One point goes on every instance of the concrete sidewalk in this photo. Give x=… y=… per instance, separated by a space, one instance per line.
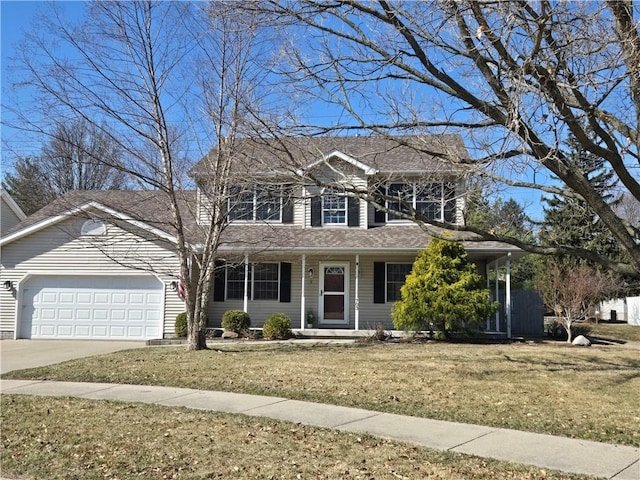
x=577 y=456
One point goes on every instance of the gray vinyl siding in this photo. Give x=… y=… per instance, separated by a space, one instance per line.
x=260 y=310
x=58 y=250
x=8 y=218
x=204 y=208
x=370 y=313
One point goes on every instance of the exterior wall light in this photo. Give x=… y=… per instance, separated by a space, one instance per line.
x=173 y=286
x=8 y=285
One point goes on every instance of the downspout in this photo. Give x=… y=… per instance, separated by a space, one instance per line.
x=497 y=266
x=488 y=271
x=246 y=284
x=302 y=294
x=508 y=295
x=357 y=294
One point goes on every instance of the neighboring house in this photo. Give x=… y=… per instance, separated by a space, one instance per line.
x=620 y=310
x=315 y=251
x=10 y=213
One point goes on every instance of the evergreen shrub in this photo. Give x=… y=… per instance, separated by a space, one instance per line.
x=181 y=325
x=236 y=321
x=277 y=327
x=444 y=291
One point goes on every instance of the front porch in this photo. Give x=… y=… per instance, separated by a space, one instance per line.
x=340 y=295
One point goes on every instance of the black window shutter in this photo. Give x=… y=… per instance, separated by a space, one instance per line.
x=378 y=282
x=287 y=209
x=379 y=215
x=285 y=282
x=218 y=282
x=316 y=212
x=354 y=211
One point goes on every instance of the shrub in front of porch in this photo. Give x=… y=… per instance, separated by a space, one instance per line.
x=236 y=321
x=181 y=325
x=277 y=327
x=443 y=292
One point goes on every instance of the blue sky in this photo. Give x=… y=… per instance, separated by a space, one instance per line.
x=17 y=18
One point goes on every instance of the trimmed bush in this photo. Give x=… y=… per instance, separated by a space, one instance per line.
x=181 y=325
x=236 y=321
x=277 y=327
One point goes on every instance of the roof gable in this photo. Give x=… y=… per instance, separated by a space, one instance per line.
x=408 y=154
x=140 y=209
x=324 y=159
x=10 y=202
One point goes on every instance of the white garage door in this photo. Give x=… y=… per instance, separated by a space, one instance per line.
x=126 y=308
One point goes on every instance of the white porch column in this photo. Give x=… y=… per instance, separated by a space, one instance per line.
x=507 y=296
x=246 y=284
x=357 y=293
x=497 y=266
x=303 y=320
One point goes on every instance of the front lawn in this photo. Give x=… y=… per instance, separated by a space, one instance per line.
x=620 y=332
x=557 y=389
x=57 y=438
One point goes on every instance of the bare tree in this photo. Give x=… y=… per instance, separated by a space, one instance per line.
x=518 y=80
x=76 y=156
x=170 y=80
x=573 y=292
x=628 y=209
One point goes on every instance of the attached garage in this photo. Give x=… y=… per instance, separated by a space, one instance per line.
x=92 y=307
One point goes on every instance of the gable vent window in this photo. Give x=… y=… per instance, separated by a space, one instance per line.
x=93 y=227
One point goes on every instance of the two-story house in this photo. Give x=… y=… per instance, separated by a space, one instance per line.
x=302 y=238
x=312 y=246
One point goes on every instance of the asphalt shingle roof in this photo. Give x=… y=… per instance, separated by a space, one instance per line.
x=152 y=208
x=392 y=154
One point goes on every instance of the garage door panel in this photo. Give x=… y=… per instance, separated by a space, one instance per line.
x=48 y=298
x=101 y=298
x=99 y=331
x=92 y=307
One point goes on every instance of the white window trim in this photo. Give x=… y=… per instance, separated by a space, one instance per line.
x=414 y=201
x=254 y=209
x=251 y=282
x=326 y=194
x=386 y=278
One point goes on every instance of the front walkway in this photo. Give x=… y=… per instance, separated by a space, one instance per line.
x=569 y=455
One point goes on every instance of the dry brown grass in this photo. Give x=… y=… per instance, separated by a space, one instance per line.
x=49 y=438
x=615 y=331
x=557 y=389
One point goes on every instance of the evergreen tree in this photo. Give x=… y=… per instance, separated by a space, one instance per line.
x=28 y=186
x=444 y=291
x=508 y=218
x=570 y=221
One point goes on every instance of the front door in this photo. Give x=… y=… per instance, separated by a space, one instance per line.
x=334 y=294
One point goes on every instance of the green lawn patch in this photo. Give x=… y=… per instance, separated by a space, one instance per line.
x=557 y=389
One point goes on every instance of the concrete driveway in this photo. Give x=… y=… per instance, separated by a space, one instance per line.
x=21 y=354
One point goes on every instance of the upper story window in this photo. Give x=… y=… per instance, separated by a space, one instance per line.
x=255 y=203
x=435 y=200
x=334 y=209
